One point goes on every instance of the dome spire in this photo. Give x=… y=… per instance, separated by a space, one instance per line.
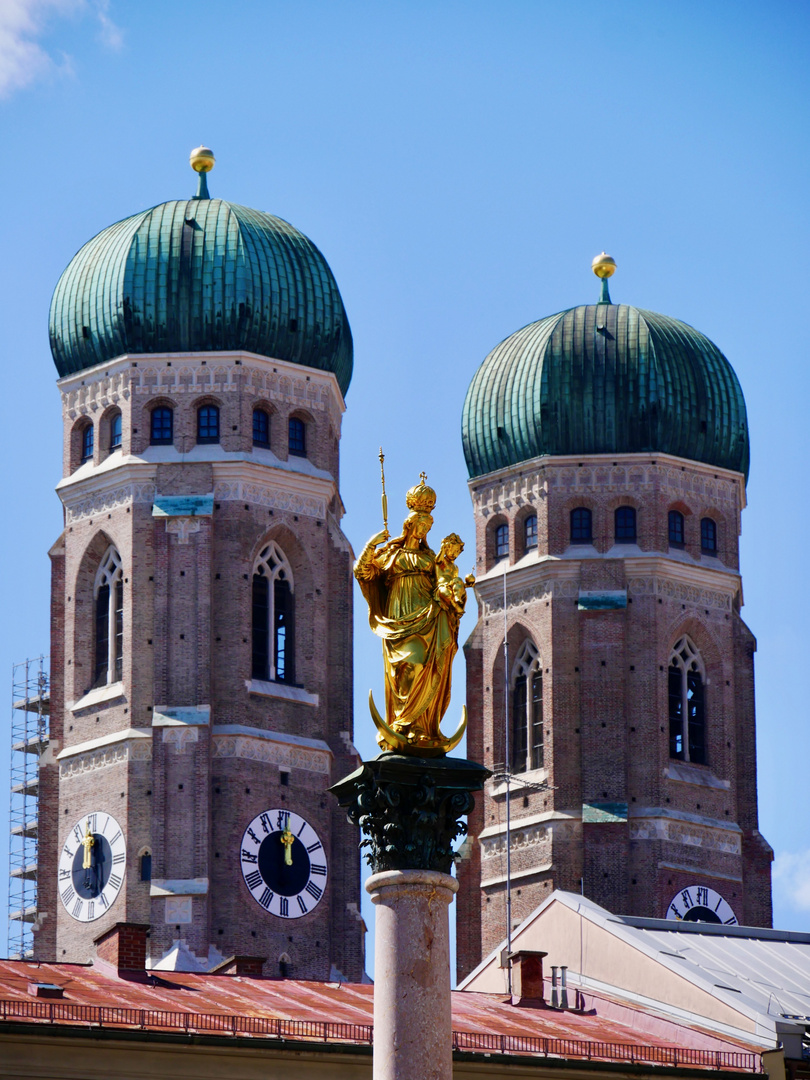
x=604 y=266
x=202 y=161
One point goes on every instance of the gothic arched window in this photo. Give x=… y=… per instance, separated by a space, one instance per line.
x=208 y=424
x=687 y=703
x=530 y=532
x=297 y=437
x=273 y=623
x=115 y=431
x=109 y=607
x=526 y=750
x=625 y=525
x=676 y=530
x=501 y=541
x=161 y=430
x=87 y=443
x=261 y=427
x=581 y=526
x=708 y=536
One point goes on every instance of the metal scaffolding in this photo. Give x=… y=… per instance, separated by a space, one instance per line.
x=29 y=737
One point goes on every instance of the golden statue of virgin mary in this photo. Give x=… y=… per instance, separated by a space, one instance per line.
x=415 y=600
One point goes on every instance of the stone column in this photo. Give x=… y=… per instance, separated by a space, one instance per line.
x=410 y=810
x=412 y=1015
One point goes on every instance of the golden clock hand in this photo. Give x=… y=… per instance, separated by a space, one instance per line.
x=87 y=843
x=287 y=840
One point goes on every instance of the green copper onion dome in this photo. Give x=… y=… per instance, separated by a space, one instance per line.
x=605 y=379
x=198 y=275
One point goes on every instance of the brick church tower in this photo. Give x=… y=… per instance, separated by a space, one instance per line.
x=201 y=599
x=607 y=449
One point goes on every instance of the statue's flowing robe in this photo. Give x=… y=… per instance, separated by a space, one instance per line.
x=419 y=635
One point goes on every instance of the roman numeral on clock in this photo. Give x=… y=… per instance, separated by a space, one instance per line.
x=283 y=906
x=265 y=899
x=314 y=890
x=318 y=868
x=115 y=881
x=302 y=905
x=248 y=856
x=77 y=908
x=68 y=895
x=253 y=880
x=314 y=847
x=119 y=859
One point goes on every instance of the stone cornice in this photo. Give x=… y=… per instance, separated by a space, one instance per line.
x=199 y=373
x=533 y=479
x=646 y=574
x=236 y=477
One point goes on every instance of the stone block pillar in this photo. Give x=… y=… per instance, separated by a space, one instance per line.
x=412 y=1016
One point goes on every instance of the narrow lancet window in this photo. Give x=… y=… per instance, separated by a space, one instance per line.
x=526 y=751
x=687 y=704
x=109 y=620
x=273 y=651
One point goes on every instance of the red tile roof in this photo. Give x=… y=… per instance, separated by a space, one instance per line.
x=234 y=1005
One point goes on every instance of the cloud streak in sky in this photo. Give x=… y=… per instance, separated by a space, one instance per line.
x=23 y=60
x=791 y=876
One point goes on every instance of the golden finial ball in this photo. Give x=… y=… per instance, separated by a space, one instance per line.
x=202 y=159
x=604 y=265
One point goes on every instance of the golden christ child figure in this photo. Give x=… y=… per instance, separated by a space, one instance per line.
x=415 y=600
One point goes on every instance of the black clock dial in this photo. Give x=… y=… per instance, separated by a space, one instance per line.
x=283 y=878
x=89 y=882
x=88 y=891
x=283 y=863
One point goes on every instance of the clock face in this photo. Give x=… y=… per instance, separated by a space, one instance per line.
x=283 y=863
x=92 y=866
x=698 y=903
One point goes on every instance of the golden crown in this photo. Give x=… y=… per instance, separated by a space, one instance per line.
x=421 y=498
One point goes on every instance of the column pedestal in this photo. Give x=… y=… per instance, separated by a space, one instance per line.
x=412 y=1015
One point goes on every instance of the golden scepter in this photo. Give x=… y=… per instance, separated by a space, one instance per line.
x=384 y=496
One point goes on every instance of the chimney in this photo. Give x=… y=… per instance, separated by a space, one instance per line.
x=240 y=965
x=123 y=946
x=527 y=977
x=563 y=987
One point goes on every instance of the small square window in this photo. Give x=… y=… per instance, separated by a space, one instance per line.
x=676 y=528
x=581 y=526
x=502 y=542
x=261 y=428
x=530 y=532
x=162 y=427
x=115 y=432
x=708 y=536
x=297 y=444
x=87 y=443
x=625 y=525
x=208 y=424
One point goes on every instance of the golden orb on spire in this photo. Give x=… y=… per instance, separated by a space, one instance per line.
x=202 y=159
x=604 y=265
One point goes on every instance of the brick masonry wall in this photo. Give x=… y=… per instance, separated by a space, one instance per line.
x=605 y=697
x=187 y=642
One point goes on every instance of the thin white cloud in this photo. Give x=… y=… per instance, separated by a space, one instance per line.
x=111 y=35
x=791 y=876
x=23 y=60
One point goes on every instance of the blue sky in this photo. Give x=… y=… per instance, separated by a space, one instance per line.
x=459 y=164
